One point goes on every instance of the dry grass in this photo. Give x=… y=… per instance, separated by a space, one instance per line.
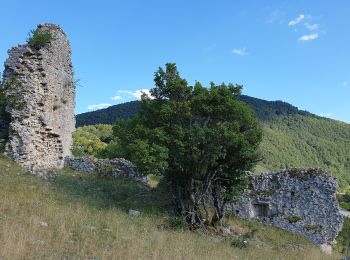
x=87 y=219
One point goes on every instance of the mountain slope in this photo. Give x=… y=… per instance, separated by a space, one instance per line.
x=292 y=138
x=265 y=110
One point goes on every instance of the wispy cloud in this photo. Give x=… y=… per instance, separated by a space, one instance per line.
x=116 y=98
x=137 y=93
x=345 y=83
x=309 y=37
x=312 y=27
x=240 y=52
x=297 y=20
x=98 y=106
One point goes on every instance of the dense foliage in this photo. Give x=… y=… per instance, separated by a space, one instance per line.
x=39 y=38
x=92 y=140
x=307 y=141
x=202 y=139
x=8 y=100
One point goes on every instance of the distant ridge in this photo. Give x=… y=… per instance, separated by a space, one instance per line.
x=264 y=110
x=292 y=137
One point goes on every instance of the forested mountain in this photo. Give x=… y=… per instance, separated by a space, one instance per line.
x=292 y=138
x=265 y=110
x=108 y=115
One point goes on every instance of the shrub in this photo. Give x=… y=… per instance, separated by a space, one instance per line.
x=39 y=38
x=239 y=243
x=177 y=223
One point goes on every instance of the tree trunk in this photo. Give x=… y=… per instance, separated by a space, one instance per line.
x=219 y=205
x=179 y=206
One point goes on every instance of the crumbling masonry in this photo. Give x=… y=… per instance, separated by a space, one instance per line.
x=40 y=134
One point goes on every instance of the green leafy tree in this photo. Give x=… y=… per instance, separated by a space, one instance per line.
x=201 y=139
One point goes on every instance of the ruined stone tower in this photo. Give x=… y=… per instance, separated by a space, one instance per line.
x=40 y=133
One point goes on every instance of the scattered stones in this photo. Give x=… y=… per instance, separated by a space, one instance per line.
x=301 y=201
x=40 y=134
x=104 y=167
x=47 y=176
x=134 y=213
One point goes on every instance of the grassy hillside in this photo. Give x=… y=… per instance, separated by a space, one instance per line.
x=292 y=138
x=79 y=216
x=307 y=141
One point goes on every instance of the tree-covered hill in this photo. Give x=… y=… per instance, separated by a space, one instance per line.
x=265 y=110
x=292 y=138
x=108 y=115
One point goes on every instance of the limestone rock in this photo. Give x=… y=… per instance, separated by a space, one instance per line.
x=301 y=201
x=40 y=134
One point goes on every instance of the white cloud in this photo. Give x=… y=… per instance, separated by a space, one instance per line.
x=312 y=27
x=116 y=97
x=98 y=106
x=241 y=52
x=297 y=20
x=309 y=37
x=329 y=115
x=137 y=93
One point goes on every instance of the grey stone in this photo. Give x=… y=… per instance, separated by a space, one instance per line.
x=134 y=213
x=44 y=224
x=40 y=135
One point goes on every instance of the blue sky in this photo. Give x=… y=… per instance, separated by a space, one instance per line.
x=295 y=51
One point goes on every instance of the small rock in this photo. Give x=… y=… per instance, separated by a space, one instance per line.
x=38 y=242
x=226 y=230
x=38 y=203
x=327 y=249
x=134 y=213
x=44 y=224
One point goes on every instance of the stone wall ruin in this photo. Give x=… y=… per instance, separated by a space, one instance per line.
x=40 y=134
x=301 y=201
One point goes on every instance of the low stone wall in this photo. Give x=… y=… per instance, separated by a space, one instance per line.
x=301 y=201
x=105 y=167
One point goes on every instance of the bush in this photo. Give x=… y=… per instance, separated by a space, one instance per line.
x=177 y=223
x=39 y=38
x=239 y=243
x=343 y=239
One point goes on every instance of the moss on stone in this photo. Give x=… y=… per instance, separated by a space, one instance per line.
x=313 y=228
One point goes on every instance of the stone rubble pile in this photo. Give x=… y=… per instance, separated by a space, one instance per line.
x=105 y=167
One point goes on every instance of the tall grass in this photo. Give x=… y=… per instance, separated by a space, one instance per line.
x=87 y=219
